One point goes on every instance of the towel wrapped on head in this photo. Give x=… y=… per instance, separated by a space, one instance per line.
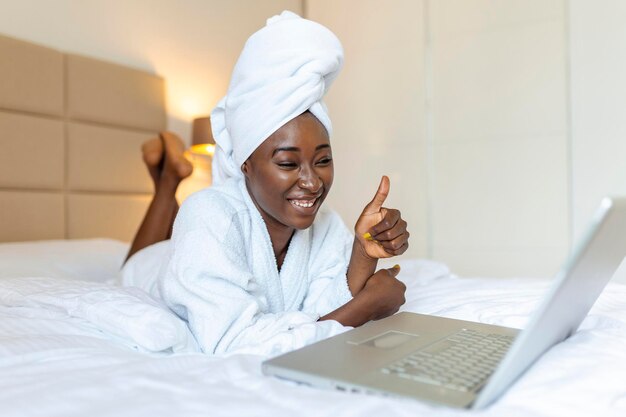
x=284 y=70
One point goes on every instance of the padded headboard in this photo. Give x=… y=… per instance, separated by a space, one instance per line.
x=71 y=130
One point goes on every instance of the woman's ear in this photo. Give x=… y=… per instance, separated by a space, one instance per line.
x=244 y=168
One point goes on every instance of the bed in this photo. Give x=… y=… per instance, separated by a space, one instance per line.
x=73 y=342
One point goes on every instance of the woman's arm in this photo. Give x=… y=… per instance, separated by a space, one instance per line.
x=381 y=296
x=360 y=268
x=379 y=233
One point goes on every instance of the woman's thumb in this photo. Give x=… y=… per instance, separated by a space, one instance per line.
x=395 y=270
x=377 y=202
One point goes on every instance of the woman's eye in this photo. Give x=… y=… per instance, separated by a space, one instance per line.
x=324 y=161
x=286 y=164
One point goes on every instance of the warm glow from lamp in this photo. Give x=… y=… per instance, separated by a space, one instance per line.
x=206 y=149
x=200 y=155
x=188 y=106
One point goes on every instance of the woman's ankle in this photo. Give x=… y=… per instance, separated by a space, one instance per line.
x=166 y=188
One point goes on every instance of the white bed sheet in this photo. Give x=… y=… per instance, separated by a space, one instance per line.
x=57 y=363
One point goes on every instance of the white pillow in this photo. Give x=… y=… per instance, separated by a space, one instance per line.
x=96 y=260
x=124 y=313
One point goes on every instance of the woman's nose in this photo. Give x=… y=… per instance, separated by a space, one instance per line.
x=309 y=180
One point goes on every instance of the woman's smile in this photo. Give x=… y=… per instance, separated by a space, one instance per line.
x=307 y=206
x=303 y=203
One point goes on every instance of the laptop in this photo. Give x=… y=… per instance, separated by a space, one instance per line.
x=460 y=363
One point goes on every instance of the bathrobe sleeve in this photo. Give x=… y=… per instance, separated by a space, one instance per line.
x=209 y=283
x=330 y=255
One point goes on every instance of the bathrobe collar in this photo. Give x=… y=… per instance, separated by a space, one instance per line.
x=292 y=281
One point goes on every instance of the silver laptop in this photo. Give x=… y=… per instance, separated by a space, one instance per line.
x=460 y=363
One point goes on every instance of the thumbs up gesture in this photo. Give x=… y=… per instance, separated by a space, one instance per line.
x=381 y=231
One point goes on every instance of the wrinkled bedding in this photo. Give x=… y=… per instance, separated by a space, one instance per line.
x=76 y=348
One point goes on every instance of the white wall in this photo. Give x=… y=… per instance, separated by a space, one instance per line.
x=500 y=152
x=463 y=103
x=502 y=124
x=377 y=104
x=193 y=44
x=598 y=104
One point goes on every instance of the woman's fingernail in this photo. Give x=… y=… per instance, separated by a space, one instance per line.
x=396 y=266
x=367 y=236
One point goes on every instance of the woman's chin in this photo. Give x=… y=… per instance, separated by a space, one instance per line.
x=302 y=224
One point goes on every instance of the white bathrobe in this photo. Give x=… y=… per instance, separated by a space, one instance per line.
x=222 y=276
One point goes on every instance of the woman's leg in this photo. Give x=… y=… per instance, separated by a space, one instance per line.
x=168 y=167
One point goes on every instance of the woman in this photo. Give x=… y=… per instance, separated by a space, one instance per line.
x=255 y=264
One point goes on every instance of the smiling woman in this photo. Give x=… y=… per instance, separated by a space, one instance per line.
x=255 y=263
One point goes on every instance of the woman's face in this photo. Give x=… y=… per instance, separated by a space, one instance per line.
x=289 y=175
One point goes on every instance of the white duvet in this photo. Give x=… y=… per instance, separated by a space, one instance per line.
x=73 y=348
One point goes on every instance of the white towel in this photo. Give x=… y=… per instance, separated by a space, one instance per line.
x=284 y=69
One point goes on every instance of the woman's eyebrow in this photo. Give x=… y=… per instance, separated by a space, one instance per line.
x=287 y=149
x=296 y=149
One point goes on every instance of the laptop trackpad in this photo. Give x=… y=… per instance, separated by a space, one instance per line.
x=388 y=340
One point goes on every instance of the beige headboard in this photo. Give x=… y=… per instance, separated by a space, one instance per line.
x=71 y=128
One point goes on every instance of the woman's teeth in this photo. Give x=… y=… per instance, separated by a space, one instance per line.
x=303 y=203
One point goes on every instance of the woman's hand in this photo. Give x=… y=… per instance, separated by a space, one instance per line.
x=381 y=297
x=381 y=231
x=383 y=293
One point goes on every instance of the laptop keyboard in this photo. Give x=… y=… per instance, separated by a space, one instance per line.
x=462 y=361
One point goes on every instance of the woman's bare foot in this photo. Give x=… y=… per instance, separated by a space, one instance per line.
x=176 y=167
x=164 y=157
x=152 y=152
